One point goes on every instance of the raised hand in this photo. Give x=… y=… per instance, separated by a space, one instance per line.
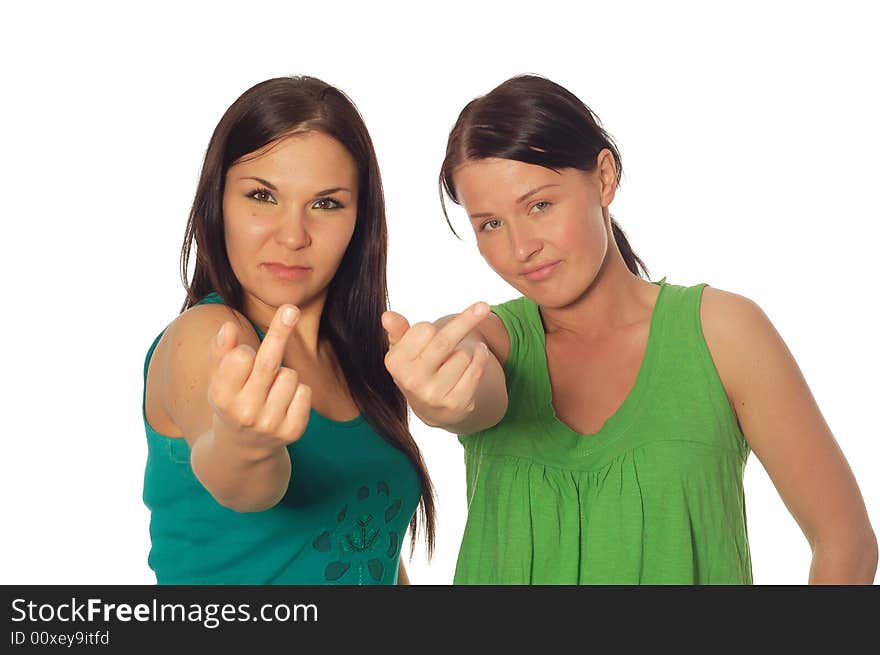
x=259 y=405
x=436 y=372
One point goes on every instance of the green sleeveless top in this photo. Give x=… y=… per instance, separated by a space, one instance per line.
x=342 y=521
x=655 y=497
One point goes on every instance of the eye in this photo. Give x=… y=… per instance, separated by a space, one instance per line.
x=540 y=206
x=262 y=195
x=490 y=225
x=327 y=203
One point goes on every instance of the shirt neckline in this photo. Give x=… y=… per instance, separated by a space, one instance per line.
x=621 y=418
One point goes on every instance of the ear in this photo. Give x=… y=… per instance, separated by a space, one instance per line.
x=606 y=170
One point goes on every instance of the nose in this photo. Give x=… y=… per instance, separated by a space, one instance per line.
x=292 y=232
x=524 y=243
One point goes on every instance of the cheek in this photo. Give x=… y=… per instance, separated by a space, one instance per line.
x=332 y=237
x=496 y=251
x=240 y=236
x=587 y=237
x=244 y=232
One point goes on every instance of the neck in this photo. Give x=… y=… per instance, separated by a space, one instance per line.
x=616 y=298
x=305 y=338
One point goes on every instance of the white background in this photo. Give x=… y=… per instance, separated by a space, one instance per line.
x=749 y=138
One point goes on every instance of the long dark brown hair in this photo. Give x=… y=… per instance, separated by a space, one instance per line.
x=358 y=294
x=533 y=120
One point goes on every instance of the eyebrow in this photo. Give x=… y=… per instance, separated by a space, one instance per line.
x=329 y=192
x=523 y=197
x=272 y=187
x=533 y=192
x=266 y=183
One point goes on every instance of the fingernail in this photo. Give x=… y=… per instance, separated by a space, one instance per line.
x=481 y=309
x=220 y=333
x=288 y=316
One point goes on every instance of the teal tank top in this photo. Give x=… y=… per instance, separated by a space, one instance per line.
x=342 y=521
x=655 y=497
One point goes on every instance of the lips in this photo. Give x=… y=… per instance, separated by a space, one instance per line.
x=541 y=272
x=285 y=272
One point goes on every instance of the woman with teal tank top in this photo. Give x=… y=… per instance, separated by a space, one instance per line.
x=279 y=450
x=606 y=420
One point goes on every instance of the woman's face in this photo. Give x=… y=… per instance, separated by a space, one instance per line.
x=544 y=232
x=289 y=211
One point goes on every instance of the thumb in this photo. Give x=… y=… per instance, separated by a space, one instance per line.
x=395 y=325
x=224 y=341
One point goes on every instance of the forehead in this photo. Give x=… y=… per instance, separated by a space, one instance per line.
x=494 y=181
x=304 y=157
x=493 y=170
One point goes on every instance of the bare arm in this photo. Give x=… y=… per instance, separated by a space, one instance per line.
x=401 y=574
x=236 y=453
x=785 y=429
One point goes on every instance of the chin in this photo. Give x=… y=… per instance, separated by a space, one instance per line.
x=552 y=300
x=557 y=297
x=277 y=295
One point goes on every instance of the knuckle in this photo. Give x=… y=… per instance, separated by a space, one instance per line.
x=301 y=402
x=266 y=425
x=411 y=382
x=441 y=343
x=286 y=377
x=246 y=416
x=424 y=330
x=266 y=366
x=219 y=401
x=296 y=423
x=242 y=355
x=218 y=396
x=432 y=398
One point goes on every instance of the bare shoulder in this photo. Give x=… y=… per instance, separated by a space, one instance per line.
x=731 y=320
x=742 y=341
x=200 y=323
x=188 y=339
x=491 y=331
x=180 y=365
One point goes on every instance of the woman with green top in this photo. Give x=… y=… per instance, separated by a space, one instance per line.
x=606 y=420
x=278 y=446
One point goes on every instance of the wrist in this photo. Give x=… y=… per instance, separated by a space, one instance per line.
x=237 y=446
